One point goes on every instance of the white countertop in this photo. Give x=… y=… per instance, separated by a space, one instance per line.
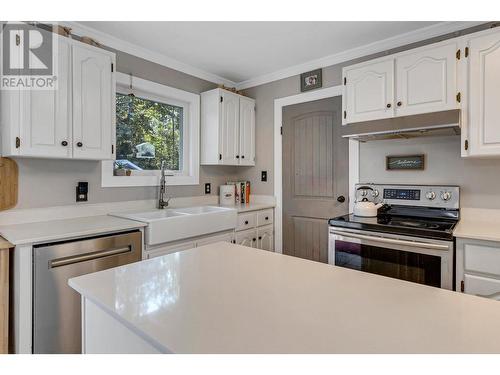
x=251 y=206
x=45 y=231
x=478 y=223
x=225 y=298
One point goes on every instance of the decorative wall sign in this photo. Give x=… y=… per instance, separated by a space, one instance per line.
x=311 y=80
x=405 y=162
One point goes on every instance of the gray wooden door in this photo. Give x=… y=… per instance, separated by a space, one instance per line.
x=315 y=176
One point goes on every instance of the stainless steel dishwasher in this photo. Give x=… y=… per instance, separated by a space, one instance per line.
x=56 y=307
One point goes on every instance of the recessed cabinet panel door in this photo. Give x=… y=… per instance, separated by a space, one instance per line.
x=247 y=238
x=45 y=116
x=92 y=103
x=484 y=95
x=427 y=80
x=229 y=138
x=247 y=131
x=369 y=92
x=266 y=238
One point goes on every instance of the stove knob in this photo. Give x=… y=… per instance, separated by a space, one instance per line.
x=375 y=193
x=430 y=195
x=363 y=193
x=446 y=196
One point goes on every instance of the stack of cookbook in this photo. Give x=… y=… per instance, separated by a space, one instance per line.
x=241 y=191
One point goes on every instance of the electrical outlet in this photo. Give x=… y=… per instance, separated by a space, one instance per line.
x=82 y=192
x=208 y=188
x=263 y=176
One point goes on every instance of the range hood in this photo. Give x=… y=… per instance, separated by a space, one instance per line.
x=442 y=123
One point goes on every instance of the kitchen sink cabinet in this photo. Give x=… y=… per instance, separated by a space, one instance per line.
x=75 y=120
x=256 y=229
x=227 y=128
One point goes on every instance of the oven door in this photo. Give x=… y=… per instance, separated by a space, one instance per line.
x=420 y=260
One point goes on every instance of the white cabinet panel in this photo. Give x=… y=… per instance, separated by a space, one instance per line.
x=169 y=249
x=247 y=131
x=369 y=91
x=247 y=238
x=265 y=217
x=265 y=237
x=484 y=94
x=426 y=80
x=229 y=137
x=45 y=115
x=246 y=221
x=481 y=258
x=93 y=103
x=482 y=286
x=224 y=237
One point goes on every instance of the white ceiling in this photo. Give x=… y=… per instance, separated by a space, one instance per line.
x=242 y=51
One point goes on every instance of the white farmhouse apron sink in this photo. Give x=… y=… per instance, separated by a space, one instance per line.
x=179 y=223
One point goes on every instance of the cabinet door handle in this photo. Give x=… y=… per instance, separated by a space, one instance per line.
x=399 y=104
x=79 y=144
x=254 y=239
x=64 y=143
x=267 y=217
x=389 y=105
x=246 y=222
x=243 y=156
x=260 y=238
x=237 y=156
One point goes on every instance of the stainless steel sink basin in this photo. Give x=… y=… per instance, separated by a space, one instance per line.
x=178 y=223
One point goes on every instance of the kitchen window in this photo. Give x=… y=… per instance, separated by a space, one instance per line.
x=154 y=122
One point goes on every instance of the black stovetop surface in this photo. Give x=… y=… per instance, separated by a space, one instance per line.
x=437 y=224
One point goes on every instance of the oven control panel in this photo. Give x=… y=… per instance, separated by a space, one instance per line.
x=412 y=195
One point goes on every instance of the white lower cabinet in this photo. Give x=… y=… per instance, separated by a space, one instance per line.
x=478 y=268
x=256 y=229
x=247 y=238
x=176 y=246
x=265 y=238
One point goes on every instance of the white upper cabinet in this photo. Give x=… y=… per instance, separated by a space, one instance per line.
x=80 y=111
x=44 y=127
x=247 y=131
x=368 y=91
x=426 y=80
x=481 y=133
x=93 y=103
x=227 y=128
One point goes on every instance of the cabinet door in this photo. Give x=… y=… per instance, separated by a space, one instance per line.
x=484 y=95
x=247 y=238
x=158 y=251
x=45 y=116
x=247 y=131
x=482 y=286
x=93 y=103
x=427 y=80
x=229 y=136
x=225 y=237
x=369 y=91
x=265 y=236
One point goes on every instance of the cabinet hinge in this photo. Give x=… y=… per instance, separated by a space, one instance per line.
x=112 y=149
x=345 y=81
x=220 y=156
x=281 y=130
x=466 y=145
x=466 y=54
x=18 y=40
x=221 y=99
x=345 y=114
x=458 y=54
x=112 y=67
x=459 y=97
x=462 y=286
x=18 y=142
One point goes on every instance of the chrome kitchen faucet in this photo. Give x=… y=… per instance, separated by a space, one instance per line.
x=162 y=203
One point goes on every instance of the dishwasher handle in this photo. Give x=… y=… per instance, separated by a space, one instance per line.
x=66 y=261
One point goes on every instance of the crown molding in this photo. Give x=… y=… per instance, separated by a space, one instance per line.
x=428 y=32
x=136 y=50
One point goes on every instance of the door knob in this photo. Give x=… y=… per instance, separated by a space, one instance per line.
x=341 y=199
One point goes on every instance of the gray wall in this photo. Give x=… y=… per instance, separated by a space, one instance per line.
x=46 y=182
x=478 y=179
x=265 y=95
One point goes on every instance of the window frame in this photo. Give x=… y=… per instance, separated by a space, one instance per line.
x=190 y=173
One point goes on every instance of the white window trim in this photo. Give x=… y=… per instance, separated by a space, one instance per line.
x=191 y=134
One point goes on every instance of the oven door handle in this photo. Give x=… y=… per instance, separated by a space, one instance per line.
x=393 y=241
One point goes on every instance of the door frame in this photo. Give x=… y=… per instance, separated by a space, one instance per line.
x=279 y=103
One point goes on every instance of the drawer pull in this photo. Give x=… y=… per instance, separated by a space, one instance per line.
x=260 y=237
x=267 y=217
x=246 y=222
x=254 y=239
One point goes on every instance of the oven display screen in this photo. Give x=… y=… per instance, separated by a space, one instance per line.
x=406 y=194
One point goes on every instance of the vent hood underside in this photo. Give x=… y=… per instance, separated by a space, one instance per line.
x=442 y=123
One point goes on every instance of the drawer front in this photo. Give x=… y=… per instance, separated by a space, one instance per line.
x=481 y=258
x=156 y=251
x=482 y=286
x=246 y=221
x=265 y=217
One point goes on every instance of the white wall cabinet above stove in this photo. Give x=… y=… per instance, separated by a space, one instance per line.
x=418 y=81
x=77 y=120
x=227 y=128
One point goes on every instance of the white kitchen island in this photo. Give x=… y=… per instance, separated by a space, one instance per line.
x=225 y=298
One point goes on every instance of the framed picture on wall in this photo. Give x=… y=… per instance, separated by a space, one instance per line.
x=311 y=80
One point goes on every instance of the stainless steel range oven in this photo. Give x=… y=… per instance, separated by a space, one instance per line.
x=411 y=240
